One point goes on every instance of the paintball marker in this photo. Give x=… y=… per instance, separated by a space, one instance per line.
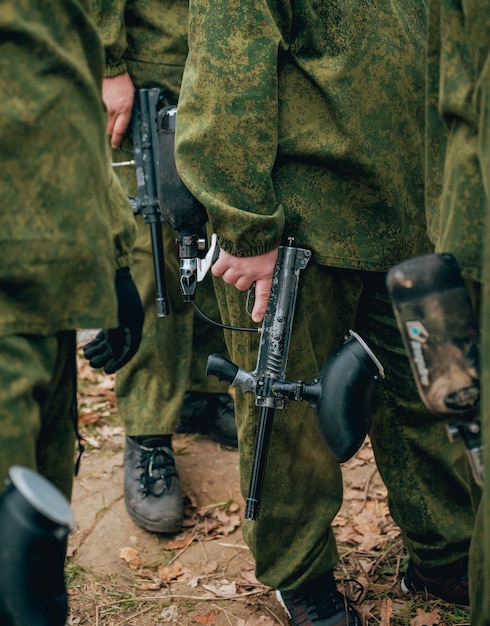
x=35 y=521
x=146 y=203
x=440 y=333
x=340 y=395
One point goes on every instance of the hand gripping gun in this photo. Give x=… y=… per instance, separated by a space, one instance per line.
x=440 y=333
x=340 y=395
x=146 y=203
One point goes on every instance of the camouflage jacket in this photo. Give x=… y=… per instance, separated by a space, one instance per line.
x=147 y=38
x=305 y=119
x=455 y=194
x=56 y=194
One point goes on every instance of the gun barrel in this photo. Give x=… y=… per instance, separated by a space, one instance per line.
x=264 y=432
x=145 y=141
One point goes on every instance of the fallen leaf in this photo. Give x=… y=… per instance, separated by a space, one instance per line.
x=131 y=556
x=172 y=572
x=426 y=619
x=206 y=619
x=224 y=589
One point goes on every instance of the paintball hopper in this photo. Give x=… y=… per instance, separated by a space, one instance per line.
x=35 y=521
x=439 y=330
x=342 y=396
x=178 y=206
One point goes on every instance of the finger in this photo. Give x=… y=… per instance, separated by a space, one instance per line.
x=119 y=129
x=262 y=294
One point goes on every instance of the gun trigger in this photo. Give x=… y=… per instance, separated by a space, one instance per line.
x=203 y=265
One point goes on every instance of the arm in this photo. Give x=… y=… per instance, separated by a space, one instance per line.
x=227 y=130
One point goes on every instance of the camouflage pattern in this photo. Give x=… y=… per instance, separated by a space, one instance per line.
x=457 y=177
x=455 y=197
x=55 y=238
x=57 y=203
x=38 y=407
x=149 y=40
x=313 y=83
x=306 y=119
x=477 y=18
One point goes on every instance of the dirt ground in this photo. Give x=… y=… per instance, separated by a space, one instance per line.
x=119 y=574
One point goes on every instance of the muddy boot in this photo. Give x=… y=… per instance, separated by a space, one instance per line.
x=152 y=492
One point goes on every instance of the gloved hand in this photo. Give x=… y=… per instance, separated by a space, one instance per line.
x=113 y=348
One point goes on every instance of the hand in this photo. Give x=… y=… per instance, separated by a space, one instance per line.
x=244 y=272
x=118 y=97
x=113 y=348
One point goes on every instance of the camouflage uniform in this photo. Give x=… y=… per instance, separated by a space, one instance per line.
x=57 y=270
x=458 y=114
x=148 y=39
x=305 y=119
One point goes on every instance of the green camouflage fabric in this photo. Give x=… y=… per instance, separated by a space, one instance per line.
x=457 y=176
x=149 y=40
x=57 y=268
x=455 y=197
x=477 y=19
x=305 y=119
x=58 y=203
x=311 y=83
x=38 y=405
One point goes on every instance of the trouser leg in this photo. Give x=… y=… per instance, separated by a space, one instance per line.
x=38 y=406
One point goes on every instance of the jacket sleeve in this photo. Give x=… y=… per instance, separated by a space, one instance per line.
x=109 y=17
x=227 y=122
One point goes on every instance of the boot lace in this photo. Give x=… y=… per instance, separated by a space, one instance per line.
x=159 y=470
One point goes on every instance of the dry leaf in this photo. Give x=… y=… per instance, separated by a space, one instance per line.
x=172 y=572
x=386 y=611
x=426 y=619
x=178 y=544
x=131 y=556
x=224 y=589
x=209 y=618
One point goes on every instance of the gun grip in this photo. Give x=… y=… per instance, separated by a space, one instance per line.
x=221 y=367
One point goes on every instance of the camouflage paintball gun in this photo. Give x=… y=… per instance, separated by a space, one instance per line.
x=440 y=333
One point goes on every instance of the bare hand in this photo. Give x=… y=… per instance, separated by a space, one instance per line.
x=244 y=272
x=118 y=96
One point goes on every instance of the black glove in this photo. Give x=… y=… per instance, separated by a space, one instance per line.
x=113 y=348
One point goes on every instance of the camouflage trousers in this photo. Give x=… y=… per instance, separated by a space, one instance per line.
x=38 y=405
x=429 y=484
x=174 y=349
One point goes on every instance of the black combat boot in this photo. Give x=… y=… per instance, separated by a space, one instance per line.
x=209 y=414
x=152 y=492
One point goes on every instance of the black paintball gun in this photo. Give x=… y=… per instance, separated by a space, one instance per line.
x=340 y=395
x=146 y=162
x=35 y=521
x=440 y=333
